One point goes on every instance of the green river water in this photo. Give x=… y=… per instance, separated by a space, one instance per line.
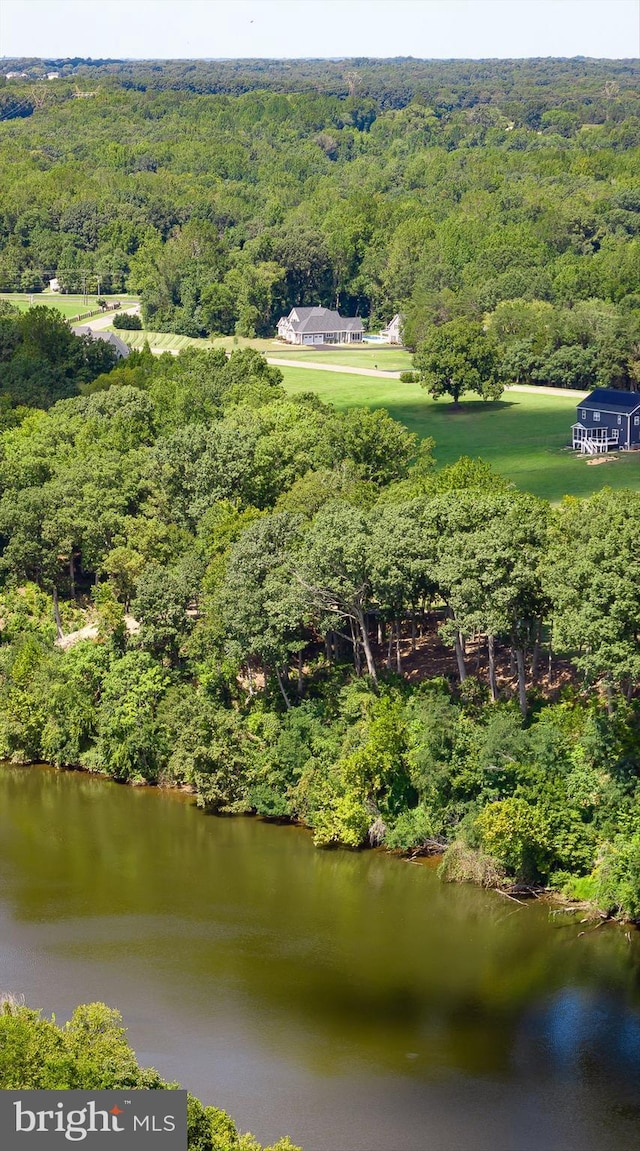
x=350 y=1000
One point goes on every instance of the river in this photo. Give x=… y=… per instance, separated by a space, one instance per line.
x=350 y=1000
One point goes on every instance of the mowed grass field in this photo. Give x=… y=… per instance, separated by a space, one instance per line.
x=168 y=342
x=384 y=358
x=70 y=306
x=523 y=435
x=160 y=341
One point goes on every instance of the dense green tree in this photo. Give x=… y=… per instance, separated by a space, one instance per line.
x=262 y=604
x=160 y=605
x=517 y=834
x=403 y=563
x=617 y=876
x=43 y=360
x=489 y=572
x=380 y=446
x=130 y=743
x=209 y=750
x=130 y=323
x=458 y=357
x=91 y=1053
x=333 y=570
x=593 y=579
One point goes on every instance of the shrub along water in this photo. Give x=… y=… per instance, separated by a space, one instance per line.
x=91 y=1053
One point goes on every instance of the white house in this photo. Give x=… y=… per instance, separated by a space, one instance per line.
x=393 y=331
x=54 y=284
x=319 y=326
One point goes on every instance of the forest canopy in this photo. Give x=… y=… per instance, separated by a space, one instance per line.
x=288 y=609
x=207 y=582
x=227 y=192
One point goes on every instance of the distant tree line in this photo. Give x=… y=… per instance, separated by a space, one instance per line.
x=225 y=193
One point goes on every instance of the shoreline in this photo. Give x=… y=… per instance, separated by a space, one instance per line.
x=519 y=893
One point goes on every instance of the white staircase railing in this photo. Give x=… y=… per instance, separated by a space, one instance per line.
x=593 y=441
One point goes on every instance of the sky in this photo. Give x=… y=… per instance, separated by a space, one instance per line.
x=319 y=28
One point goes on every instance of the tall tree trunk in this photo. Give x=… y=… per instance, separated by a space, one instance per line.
x=424 y=619
x=72 y=575
x=535 y=658
x=491 y=648
x=371 y=667
x=398 y=651
x=462 y=671
x=300 y=688
x=356 y=648
x=390 y=647
x=413 y=630
x=282 y=689
x=56 y=614
x=522 y=682
x=609 y=695
x=380 y=633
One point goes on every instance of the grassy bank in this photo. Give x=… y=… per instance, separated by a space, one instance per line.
x=523 y=435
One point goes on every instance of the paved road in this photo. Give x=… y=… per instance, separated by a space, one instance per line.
x=98 y=323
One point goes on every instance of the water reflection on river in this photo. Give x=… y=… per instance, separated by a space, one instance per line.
x=350 y=1000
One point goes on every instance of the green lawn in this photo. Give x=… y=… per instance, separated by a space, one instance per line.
x=166 y=341
x=70 y=306
x=169 y=342
x=523 y=435
x=384 y=358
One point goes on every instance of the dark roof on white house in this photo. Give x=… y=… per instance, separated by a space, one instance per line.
x=612 y=398
x=317 y=320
